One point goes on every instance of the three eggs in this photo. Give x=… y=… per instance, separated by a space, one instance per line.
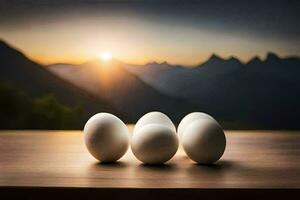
x=155 y=139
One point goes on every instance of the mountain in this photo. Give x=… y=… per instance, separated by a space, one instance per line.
x=261 y=94
x=34 y=79
x=124 y=90
x=178 y=80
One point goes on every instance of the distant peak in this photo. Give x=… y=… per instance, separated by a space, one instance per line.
x=152 y=63
x=4 y=44
x=255 y=59
x=272 y=56
x=234 y=59
x=9 y=49
x=215 y=57
x=157 y=63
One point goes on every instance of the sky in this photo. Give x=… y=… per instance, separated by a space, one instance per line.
x=139 y=31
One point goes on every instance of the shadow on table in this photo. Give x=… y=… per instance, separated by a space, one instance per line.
x=164 y=165
x=220 y=165
x=158 y=167
x=217 y=167
x=110 y=165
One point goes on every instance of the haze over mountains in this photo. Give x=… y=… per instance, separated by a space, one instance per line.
x=123 y=89
x=94 y=88
x=33 y=79
x=261 y=94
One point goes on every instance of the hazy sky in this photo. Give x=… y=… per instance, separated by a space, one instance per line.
x=140 y=31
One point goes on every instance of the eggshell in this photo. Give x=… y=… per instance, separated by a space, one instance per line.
x=189 y=119
x=154 y=144
x=204 y=141
x=106 y=137
x=155 y=118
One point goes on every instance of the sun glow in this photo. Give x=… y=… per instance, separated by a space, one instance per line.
x=105 y=56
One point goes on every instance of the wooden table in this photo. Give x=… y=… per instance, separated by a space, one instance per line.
x=45 y=163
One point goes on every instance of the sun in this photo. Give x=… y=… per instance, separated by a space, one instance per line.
x=105 y=56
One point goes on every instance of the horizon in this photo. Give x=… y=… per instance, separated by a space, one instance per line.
x=238 y=61
x=97 y=59
x=140 y=32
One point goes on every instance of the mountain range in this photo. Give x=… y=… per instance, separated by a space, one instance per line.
x=96 y=88
x=28 y=76
x=263 y=94
x=123 y=89
x=260 y=94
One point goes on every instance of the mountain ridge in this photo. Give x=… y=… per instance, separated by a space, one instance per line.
x=214 y=57
x=260 y=94
x=112 y=81
x=17 y=69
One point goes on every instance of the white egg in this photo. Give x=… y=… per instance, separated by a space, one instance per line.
x=189 y=119
x=155 y=118
x=204 y=141
x=106 y=137
x=154 y=144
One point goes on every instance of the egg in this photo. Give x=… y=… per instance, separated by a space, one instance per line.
x=106 y=137
x=204 y=141
x=190 y=118
x=154 y=143
x=155 y=118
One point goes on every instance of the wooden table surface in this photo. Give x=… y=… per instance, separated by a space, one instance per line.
x=253 y=159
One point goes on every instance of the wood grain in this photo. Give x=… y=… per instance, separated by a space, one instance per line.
x=253 y=159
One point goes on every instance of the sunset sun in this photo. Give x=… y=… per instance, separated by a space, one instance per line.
x=105 y=56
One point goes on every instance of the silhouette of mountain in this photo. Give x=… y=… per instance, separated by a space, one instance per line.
x=124 y=90
x=177 y=80
x=272 y=57
x=256 y=59
x=34 y=79
x=259 y=94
